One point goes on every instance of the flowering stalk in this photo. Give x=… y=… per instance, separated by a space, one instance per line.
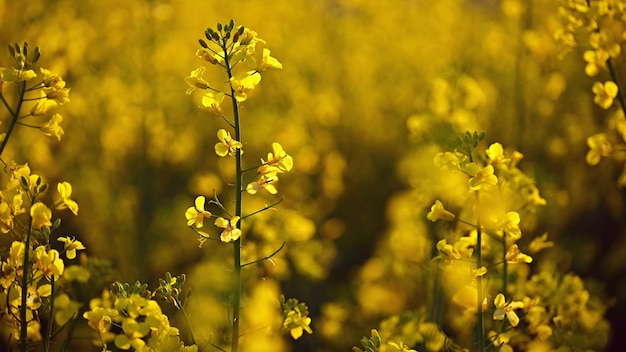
x=235 y=51
x=25 y=282
x=31 y=267
x=620 y=96
x=238 y=196
x=14 y=114
x=479 y=289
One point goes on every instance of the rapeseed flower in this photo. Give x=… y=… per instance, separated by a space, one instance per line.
x=231 y=232
x=605 y=93
x=504 y=309
x=196 y=215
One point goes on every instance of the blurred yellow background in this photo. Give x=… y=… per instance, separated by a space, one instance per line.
x=369 y=92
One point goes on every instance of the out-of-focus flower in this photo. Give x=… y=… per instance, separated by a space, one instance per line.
x=515 y=256
x=52 y=127
x=481 y=177
x=596 y=62
x=605 y=93
x=599 y=146
x=65 y=191
x=438 y=212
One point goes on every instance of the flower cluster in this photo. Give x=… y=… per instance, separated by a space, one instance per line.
x=601 y=24
x=399 y=332
x=239 y=52
x=483 y=255
x=242 y=56
x=296 y=318
x=33 y=269
x=598 y=26
x=31 y=266
x=39 y=88
x=130 y=319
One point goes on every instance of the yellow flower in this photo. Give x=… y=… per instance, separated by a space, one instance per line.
x=504 y=309
x=540 y=243
x=480 y=177
x=434 y=339
x=207 y=55
x=596 y=61
x=6 y=217
x=278 y=159
x=52 y=127
x=605 y=93
x=495 y=153
x=71 y=246
x=401 y=347
x=10 y=74
x=196 y=215
x=599 y=146
x=133 y=333
x=231 y=232
x=195 y=80
x=268 y=61
x=211 y=102
x=602 y=42
x=510 y=224
x=264 y=182
x=448 y=161
x=100 y=319
x=51 y=79
x=40 y=215
x=65 y=191
x=33 y=295
x=447 y=250
x=48 y=262
x=14 y=261
x=18 y=171
x=515 y=256
x=227 y=145
x=438 y=212
x=296 y=323
x=244 y=83
x=50 y=99
x=65 y=309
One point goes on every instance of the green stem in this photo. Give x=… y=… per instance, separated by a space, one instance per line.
x=505 y=266
x=479 y=294
x=25 y=282
x=14 y=115
x=238 y=196
x=620 y=96
x=48 y=337
x=182 y=308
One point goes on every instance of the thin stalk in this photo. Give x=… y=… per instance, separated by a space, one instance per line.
x=48 y=338
x=480 y=329
x=182 y=308
x=505 y=266
x=238 y=196
x=14 y=115
x=620 y=96
x=25 y=282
